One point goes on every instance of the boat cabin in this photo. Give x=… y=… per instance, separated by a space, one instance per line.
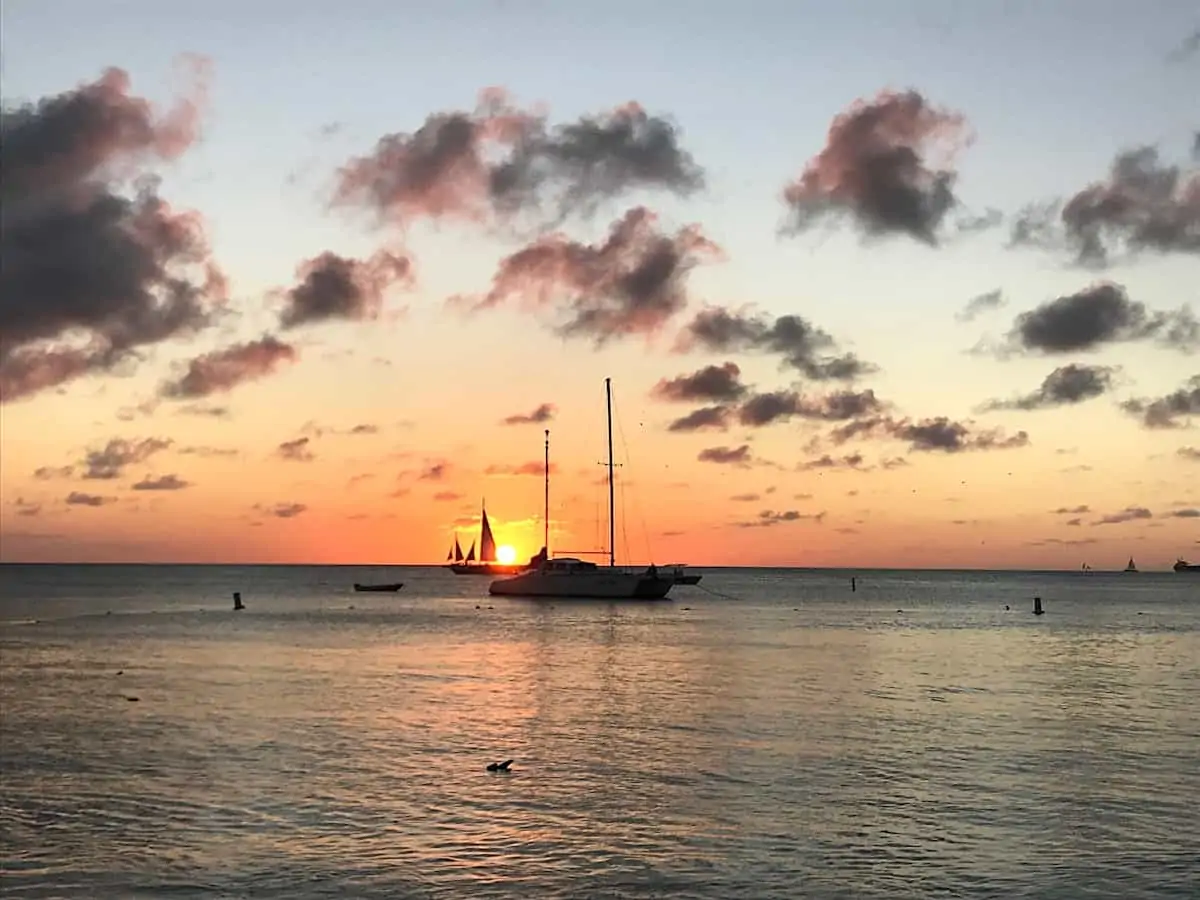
x=568 y=565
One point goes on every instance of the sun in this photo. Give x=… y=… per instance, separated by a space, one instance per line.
x=506 y=555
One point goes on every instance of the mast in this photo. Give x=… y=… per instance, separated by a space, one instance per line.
x=612 y=519
x=546 y=514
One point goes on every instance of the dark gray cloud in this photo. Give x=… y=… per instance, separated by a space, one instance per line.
x=1072 y=510
x=1188 y=513
x=980 y=304
x=769 y=517
x=1192 y=454
x=934 y=434
x=876 y=169
x=162 y=483
x=715 y=383
x=1064 y=386
x=849 y=461
x=111 y=460
x=1128 y=514
x=1143 y=205
x=716 y=418
x=499 y=161
x=282 y=510
x=632 y=283
x=1186 y=49
x=434 y=472
x=336 y=287
x=1095 y=316
x=544 y=412
x=223 y=370
x=79 y=498
x=95 y=269
x=297 y=450
x=728 y=456
x=763 y=409
x=802 y=346
x=1173 y=410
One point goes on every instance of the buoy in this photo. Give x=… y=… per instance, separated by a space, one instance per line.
x=853 y=585
x=1037 y=606
x=237 y=601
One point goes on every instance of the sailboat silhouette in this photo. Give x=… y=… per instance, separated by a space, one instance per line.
x=487 y=564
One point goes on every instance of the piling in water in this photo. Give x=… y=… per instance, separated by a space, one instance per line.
x=1037 y=606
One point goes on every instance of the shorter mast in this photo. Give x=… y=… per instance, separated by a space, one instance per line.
x=612 y=517
x=546 y=513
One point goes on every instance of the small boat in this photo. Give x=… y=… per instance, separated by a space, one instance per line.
x=1182 y=566
x=390 y=587
x=1131 y=567
x=571 y=578
x=680 y=576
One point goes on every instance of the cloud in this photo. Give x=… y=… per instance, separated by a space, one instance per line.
x=1187 y=48
x=78 y=498
x=533 y=467
x=763 y=409
x=203 y=410
x=1143 y=205
x=1128 y=514
x=447 y=496
x=434 y=472
x=296 y=450
x=1191 y=454
x=25 y=508
x=714 y=417
x=1170 y=411
x=1188 y=513
x=110 y=461
x=48 y=473
x=285 y=510
x=980 y=304
x=91 y=275
x=336 y=287
x=729 y=456
x=1064 y=386
x=876 y=169
x=850 y=461
x=938 y=433
x=714 y=383
x=498 y=161
x=633 y=282
x=1098 y=315
x=162 y=483
x=1072 y=510
x=208 y=452
x=803 y=347
x=364 y=429
x=544 y=412
x=768 y=518
x=746 y=498
x=223 y=370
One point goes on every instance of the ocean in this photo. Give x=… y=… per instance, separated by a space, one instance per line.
x=768 y=734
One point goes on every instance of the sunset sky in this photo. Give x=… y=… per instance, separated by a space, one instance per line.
x=907 y=284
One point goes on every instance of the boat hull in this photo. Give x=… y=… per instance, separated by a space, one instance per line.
x=484 y=569
x=378 y=588
x=1189 y=569
x=589 y=586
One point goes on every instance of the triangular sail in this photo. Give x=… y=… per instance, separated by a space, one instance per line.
x=458 y=557
x=487 y=543
x=471 y=553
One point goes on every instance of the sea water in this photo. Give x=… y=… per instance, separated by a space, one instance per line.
x=770 y=733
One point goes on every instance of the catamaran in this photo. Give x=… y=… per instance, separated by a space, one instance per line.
x=487 y=564
x=570 y=578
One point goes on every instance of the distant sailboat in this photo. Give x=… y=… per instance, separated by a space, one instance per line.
x=488 y=564
x=1182 y=565
x=1131 y=567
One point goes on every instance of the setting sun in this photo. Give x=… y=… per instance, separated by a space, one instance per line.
x=506 y=555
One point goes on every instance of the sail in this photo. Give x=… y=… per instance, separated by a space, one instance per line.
x=487 y=543
x=471 y=553
x=457 y=550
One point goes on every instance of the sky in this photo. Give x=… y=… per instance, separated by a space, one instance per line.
x=905 y=284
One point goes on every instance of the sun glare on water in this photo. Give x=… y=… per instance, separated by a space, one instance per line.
x=506 y=554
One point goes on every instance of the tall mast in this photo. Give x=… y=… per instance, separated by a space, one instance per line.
x=546 y=515
x=612 y=519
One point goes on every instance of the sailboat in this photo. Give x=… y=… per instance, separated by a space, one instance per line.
x=1181 y=565
x=487 y=564
x=1131 y=567
x=570 y=578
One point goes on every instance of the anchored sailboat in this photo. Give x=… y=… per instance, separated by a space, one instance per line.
x=571 y=578
x=487 y=564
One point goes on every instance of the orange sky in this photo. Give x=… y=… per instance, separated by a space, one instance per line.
x=322 y=355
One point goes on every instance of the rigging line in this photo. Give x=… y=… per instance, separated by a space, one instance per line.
x=701 y=587
x=637 y=504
